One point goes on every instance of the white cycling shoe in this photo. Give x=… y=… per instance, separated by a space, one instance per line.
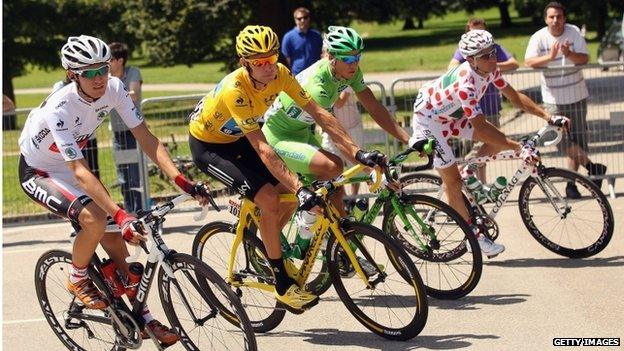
x=488 y=247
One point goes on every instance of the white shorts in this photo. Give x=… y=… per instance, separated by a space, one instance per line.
x=425 y=127
x=356 y=133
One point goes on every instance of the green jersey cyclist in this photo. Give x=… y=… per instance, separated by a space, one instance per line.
x=287 y=127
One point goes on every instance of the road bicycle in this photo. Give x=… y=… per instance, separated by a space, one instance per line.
x=574 y=228
x=200 y=306
x=443 y=247
x=388 y=298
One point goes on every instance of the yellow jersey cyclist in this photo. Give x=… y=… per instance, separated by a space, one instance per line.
x=54 y=174
x=448 y=107
x=226 y=143
x=287 y=127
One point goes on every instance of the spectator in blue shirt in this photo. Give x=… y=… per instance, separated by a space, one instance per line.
x=490 y=103
x=301 y=46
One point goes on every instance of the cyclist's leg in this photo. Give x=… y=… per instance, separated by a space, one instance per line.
x=444 y=160
x=57 y=193
x=306 y=157
x=238 y=166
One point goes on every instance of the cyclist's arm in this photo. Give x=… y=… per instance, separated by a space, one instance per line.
x=155 y=150
x=381 y=115
x=92 y=186
x=274 y=163
x=331 y=126
x=523 y=102
x=489 y=134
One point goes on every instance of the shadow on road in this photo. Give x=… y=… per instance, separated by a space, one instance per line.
x=334 y=337
x=472 y=302
x=34 y=242
x=615 y=261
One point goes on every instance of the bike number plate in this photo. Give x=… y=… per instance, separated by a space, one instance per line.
x=235 y=208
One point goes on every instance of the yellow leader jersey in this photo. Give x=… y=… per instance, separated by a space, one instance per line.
x=233 y=107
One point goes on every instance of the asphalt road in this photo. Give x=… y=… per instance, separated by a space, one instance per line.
x=526 y=297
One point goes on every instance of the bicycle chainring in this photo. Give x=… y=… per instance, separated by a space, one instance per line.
x=487 y=226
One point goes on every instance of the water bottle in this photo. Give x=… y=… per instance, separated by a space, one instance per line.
x=109 y=271
x=133 y=280
x=497 y=188
x=360 y=209
x=305 y=221
x=476 y=188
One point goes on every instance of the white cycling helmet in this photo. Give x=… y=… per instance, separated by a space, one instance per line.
x=83 y=51
x=474 y=42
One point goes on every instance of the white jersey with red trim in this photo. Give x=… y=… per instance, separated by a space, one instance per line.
x=56 y=131
x=455 y=94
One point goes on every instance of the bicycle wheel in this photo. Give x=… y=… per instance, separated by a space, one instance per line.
x=194 y=300
x=450 y=261
x=421 y=183
x=212 y=245
x=395 y=307
x=576 y=228
x=62 y=310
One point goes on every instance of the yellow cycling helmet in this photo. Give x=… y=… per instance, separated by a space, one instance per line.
x=255 y=40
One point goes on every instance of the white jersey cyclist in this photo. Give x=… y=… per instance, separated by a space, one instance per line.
x=59 y=128
x=445 y=106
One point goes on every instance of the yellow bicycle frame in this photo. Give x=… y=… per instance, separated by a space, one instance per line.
x=329 y=220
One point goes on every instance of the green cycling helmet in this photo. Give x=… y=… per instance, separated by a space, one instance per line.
x=342 y=40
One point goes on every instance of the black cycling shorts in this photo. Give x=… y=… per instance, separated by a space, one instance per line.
x=57 y=192
x=236 y=164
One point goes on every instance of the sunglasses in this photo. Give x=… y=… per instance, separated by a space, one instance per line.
x=349 y=59
x=302 y=18
x=92 y=73
x=488 y=55
x=259 y=62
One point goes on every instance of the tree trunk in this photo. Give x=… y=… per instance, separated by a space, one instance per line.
x=409 y=24
x=421 y=23
x=7 y=85
x=503 y=7
x=9 y=121
x=602 y=16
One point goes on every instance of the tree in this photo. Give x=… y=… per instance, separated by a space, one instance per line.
x=35 y=30
x=503 y=7
x=187 y=31
x=405 y=10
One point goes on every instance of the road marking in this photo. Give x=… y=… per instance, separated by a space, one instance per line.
x=21 y=321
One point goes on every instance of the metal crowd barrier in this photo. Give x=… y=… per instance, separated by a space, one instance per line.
x=605 y=116
x=166 y=117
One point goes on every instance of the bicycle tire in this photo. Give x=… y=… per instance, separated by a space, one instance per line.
x=210 y=290
x=452 y=270
x=51 y=273
x=386 y=259
x=212 y=245
x=588 y=190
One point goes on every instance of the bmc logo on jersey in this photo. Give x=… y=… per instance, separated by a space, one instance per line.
x=40 y=194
